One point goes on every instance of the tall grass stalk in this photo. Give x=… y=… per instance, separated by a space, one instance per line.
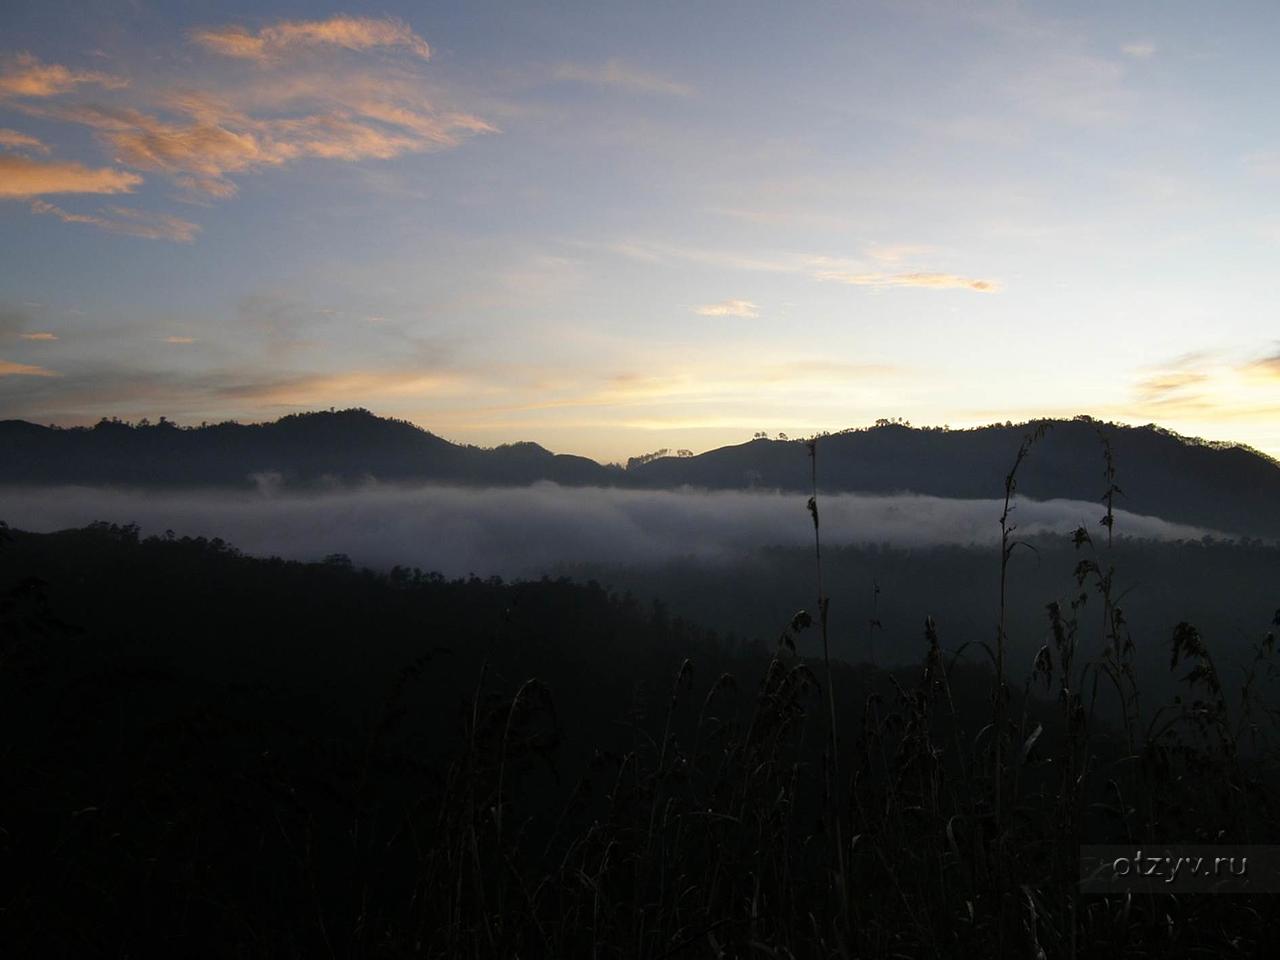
x=833 y=783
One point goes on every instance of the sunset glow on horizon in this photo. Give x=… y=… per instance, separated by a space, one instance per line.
x=610 y=229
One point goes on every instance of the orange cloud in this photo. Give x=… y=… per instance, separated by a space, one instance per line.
x=26 y=76
x=442 y=130
x=351 y=33
x=179 y=339
x=1171 y=386
x=933 y=281
x=16 y=140
x=128 y=221
x=38 y=336
x=1267 y=368
x=23 y=178
x=203 y=140
x=316 y=389
x=211 y=186
x=216 y=140
x=203 y=149
x=8 y=369
x=1204 y=387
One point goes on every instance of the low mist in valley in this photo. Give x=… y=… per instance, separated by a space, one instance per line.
x=530 y=531
x=740 y=562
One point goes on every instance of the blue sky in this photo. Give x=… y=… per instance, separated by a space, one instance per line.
x=610 y=228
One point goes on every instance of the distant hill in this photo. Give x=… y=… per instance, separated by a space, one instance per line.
x=303 y=449
x=1229 y=488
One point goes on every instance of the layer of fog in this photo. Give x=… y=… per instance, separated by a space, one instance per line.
x=530 y=530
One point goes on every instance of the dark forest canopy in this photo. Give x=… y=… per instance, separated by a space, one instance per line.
x=1229 y=488
x=213 y=755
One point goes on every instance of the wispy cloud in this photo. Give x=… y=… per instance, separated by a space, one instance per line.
x=24 y=75
x=17 y=140
x=287 y=36
x=849 y=271
x=179 y=339
x=22 y=178
x=930 y=281
x=1209 y=386
x=211 y=138
x=1267 y=367
x=729 y=308
x=128 y=221
x=615 y=73
x=203 y=137
x=1170 y=387
x=39 y=335
x=99 y=388
x=9 y=369
x=357 y=386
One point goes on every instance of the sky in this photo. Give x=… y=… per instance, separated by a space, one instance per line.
x=610 y=228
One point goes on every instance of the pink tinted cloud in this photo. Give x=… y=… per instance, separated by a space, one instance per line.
x=208 y=139
x=22 y=178
x=932 y=281
x=25 y=75
x=10 y=369
x=127 y=221
x=17 y=140
x=277 y=40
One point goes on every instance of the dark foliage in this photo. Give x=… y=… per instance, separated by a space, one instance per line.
x=213 y=755
x=1226 y=588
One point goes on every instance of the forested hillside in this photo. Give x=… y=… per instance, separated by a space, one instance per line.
x=1222 y=487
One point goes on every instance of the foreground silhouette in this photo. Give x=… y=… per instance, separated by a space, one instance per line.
x=209 y=754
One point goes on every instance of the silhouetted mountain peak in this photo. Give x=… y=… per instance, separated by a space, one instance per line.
x=355 y=421
x=524 y=448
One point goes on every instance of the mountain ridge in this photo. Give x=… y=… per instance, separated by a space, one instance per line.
x=1224 y=486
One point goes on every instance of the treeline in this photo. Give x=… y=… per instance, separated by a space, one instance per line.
x=1226 y=488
